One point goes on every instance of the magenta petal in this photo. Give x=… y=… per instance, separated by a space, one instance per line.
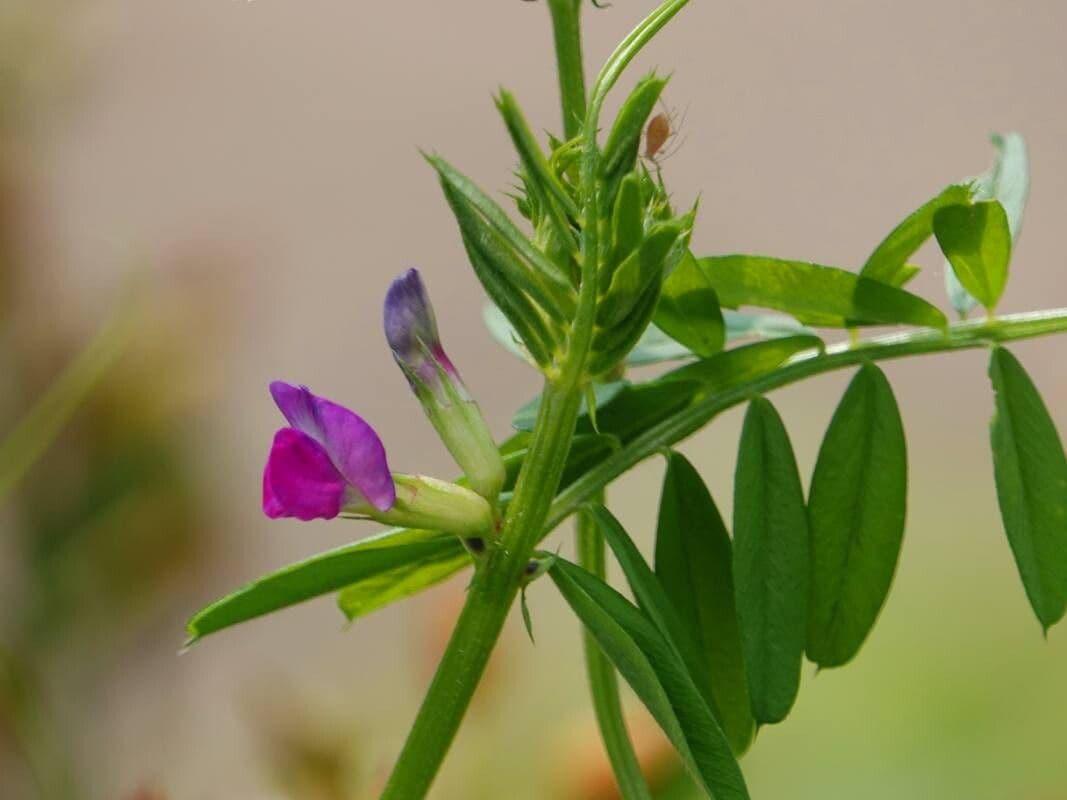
x=297 y=405
x=300 y=480
x=357 y=452
x=352 y=445
x=271 y=505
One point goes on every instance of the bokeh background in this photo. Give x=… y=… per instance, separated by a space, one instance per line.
x=251 y=168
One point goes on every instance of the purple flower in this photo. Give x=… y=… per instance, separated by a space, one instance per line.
x=411 y=330
x=328 y=459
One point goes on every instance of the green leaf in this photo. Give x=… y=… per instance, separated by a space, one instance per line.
x=657 y=605
x=977 y=242
x=366 y=560
x=856 y=511
x=639 y=407
x=889 y=261
x=590 y=406
x=535 y=163
x=611 y=345
x=1008 y=181
x=485 y=222
x=627 y=223
x=547 y=203
x=689 y=309
x=504 y=333
x=634 y=275
x=377 y=591
x=522 y=314
x=741 y=364
x=814 y=294
x=694 y=562
x=647 y=590
x=604 y=393
x=513 y=266
x=742 y=324
x=527 y=620
x=771 y=567
x=620 y=149
x=656 y=674
x=655 y=347
x=1031 y=476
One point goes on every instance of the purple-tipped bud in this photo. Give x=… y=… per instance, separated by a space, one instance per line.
x=411 y=330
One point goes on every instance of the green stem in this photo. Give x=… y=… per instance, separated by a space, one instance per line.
x=566 y=31
x=603 y=681
x=489 y=598
x=497 y=580
x=690 y=419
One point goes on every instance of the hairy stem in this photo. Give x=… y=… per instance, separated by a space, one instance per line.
x=603 y=680
x=566 y=31
x=489 y=598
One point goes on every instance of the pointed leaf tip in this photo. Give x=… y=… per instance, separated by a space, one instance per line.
x=1030 y=469
x=976 y=240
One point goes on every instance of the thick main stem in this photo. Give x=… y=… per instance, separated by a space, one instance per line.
x=566 y=31
x=491 y=594
x=603 y=680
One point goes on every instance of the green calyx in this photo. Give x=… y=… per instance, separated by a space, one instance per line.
x=465 y=433
x=432 y=504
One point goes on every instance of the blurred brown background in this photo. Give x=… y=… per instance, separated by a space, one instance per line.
x=258 y=160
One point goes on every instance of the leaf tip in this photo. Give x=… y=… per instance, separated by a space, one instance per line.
x=433 y=159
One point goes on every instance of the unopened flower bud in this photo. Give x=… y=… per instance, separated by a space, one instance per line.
x=411 y=330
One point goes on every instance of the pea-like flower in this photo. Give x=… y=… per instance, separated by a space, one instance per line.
x=411 y=330
x=331 y=461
